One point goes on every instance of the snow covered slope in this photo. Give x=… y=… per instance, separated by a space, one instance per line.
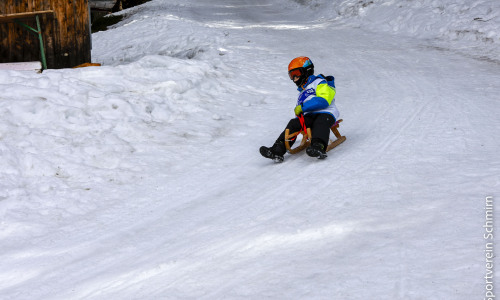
x=141 y=179
x=470 y=25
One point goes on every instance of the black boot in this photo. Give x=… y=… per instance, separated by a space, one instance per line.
x=317 y=149
x=276 y=152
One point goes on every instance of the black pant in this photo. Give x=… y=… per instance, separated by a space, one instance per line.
x=320 y=124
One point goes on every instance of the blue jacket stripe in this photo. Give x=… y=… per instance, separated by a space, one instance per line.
x=315 y=104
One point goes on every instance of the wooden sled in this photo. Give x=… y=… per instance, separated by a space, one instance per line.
x=306 y=139
x=340 y=139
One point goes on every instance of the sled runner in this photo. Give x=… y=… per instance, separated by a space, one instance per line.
x=306 y=139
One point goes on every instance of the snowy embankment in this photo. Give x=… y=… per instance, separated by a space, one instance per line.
x=463 y=26
x=141 y=179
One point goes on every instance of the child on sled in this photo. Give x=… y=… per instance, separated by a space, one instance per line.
x=316 y=102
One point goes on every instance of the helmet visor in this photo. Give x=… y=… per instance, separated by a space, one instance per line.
x=295 y=73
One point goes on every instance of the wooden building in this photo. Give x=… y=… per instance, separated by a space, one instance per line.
x=61 y=26
x=105 y=5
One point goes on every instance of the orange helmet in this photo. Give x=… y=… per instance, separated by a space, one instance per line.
x=299 y=69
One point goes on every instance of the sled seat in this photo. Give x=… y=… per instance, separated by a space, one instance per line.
x=340 y=138
x=306 y=139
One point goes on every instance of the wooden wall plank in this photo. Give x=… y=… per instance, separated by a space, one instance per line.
x=4 y=37
x=49 y=34
x=55 y=34
x=82 y=32
x=73 y=29
x=29 y=51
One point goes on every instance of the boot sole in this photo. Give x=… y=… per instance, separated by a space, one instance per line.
x=316 y=153
x=268 y=154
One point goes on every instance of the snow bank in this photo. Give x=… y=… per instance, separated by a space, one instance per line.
x=152 y=30
x=83 y=125
x=472 y=26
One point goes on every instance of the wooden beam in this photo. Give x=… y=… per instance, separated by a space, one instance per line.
x=26 y=15
x=102 y=5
